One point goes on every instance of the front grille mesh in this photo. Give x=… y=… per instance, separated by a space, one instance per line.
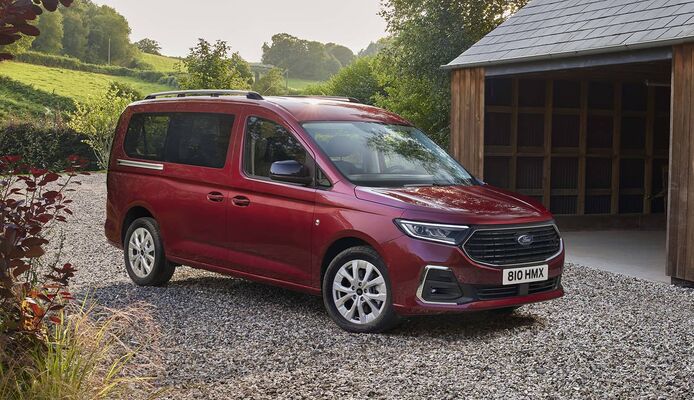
x=501 y=247
x=500 y=292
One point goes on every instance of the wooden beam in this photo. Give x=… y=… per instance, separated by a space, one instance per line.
x=547 y=156
x=582 y=149
x=513 y=178
x=648 y=160
x=680 y=213
x=467 y=119
x=616 y=145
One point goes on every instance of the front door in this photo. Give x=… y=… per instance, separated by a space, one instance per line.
x=270 y=222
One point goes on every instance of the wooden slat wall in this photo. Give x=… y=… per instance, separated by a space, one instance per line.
x=467 y=119
x=680 y=239
x=581 y=152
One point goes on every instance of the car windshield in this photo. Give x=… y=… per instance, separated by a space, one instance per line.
x=381 y=155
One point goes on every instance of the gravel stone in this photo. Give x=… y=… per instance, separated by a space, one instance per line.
x=611 y=336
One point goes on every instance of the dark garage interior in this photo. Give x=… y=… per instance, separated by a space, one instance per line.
x=585 y=142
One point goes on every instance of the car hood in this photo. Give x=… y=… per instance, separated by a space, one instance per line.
x=481 y=202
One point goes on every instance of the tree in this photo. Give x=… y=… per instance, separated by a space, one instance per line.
x=210 y=67
x=51 y=38
x=343 y=54
x=14 y=20
x=425 y=35
x=150 y=46
x=75 y=32
x=358 y=80
x=302 y=58
x=109 y=35
x=97 y=120
x=374 y=47
x=18 y=47
x=272 y=83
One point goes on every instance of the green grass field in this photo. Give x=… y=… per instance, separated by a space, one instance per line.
x=160 y=63
x=78 y=85
x=301 y=84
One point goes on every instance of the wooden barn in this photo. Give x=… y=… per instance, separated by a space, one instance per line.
x=587 y=106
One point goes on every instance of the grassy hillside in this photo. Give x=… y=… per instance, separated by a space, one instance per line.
x=301 y=84
x=160 y=63
x=19 y=101
x=77 y=85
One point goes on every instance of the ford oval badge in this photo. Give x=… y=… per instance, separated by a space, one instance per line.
x=525 y=240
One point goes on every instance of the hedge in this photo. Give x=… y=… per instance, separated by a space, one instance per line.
x=43 y=145
x=54 y=61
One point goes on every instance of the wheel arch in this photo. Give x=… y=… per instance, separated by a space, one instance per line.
x=338 y=246
x=134 y=212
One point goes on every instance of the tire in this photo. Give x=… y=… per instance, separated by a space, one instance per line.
x=143 y=242
x=360 y=306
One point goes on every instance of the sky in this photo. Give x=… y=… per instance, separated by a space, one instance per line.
x=245 y=25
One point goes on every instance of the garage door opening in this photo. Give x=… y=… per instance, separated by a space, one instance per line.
x=592 y=145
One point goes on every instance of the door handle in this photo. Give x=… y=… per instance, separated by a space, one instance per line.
x=241 y=201
x=215 y=197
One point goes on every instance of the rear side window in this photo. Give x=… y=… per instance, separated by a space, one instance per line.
x=182 y=138
x=267 y=142
x=146 y=136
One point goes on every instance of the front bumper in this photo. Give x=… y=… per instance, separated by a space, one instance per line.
x=480 y=286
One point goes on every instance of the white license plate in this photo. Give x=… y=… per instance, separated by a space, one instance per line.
x=537 y=273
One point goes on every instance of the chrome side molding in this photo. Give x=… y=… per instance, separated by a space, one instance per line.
x=141 y=164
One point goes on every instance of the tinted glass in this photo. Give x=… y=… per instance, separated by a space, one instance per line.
x=146 y=136
x=183 y=138
x=199 y=139
x=267 y=142
x=375 y=154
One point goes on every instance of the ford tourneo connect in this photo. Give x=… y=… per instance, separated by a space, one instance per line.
x=325 y=196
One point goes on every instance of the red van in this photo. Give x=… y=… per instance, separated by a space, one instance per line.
x=325 y=196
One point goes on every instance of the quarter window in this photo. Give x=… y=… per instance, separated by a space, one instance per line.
x=146 y=136
x=267 y=142
x=183 y=138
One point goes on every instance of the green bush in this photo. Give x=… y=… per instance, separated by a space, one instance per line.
x=44 y=145
x=358 y=80
x=53 y=61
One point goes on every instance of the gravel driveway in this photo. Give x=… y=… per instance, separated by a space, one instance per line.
x=609 y=337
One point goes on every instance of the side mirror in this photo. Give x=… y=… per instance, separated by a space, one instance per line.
x=290 y=171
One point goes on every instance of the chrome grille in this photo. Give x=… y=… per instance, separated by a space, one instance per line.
x=501 y=246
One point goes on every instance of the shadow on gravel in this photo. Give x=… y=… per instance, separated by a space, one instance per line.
x=239 y=294
x=471 y=325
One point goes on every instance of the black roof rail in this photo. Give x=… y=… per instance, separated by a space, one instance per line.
x=206 y=92
x=334 y=98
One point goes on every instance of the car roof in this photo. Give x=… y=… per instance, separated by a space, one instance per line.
x=301 y=108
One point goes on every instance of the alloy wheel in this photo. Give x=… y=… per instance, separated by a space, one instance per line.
x=359 y=292
x=141 y=253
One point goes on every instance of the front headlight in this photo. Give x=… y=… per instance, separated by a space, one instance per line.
x=449 y=234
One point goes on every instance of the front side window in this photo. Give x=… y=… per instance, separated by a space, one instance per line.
x=183 y=138
x=383 y=155
x=267 y=142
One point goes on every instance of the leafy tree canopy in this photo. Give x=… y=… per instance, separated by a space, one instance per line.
x=343 y=54
x=51 y=38
x=358 y=80
x=150 y=46
x=305 y=59
x=374 y=47
x=426 y=34
x=14 y=21
x=209 y=66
